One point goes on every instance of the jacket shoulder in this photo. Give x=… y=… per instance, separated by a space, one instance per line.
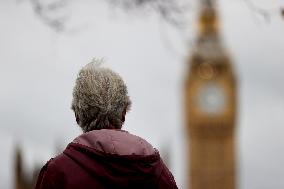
x=166 y=180
x=50 y=174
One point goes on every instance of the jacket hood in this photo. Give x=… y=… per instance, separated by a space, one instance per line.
x=116 y=157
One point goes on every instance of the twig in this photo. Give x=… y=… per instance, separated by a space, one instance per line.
x=263 y=12
x=46 y=13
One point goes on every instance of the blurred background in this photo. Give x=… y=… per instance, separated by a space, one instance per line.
x=148 y=42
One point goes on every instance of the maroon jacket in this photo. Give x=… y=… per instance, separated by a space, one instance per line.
x=106 y=159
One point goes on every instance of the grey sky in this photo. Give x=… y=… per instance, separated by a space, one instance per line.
x=38 y=68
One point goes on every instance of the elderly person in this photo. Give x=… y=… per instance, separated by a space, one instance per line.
x=104 y=156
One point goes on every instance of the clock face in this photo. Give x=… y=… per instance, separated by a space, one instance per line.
x=211 y=98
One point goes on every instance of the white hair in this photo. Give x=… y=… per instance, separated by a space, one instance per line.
x=100 y=98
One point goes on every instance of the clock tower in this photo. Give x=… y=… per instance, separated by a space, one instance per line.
x=210 y=103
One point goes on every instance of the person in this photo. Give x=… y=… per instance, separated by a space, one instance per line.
x=104 y=156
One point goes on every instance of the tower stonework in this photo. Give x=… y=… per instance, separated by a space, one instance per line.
x=210 y=103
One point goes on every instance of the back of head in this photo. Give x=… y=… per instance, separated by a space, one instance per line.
x=100 y=98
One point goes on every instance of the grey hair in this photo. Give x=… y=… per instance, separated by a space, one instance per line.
x=100 y=98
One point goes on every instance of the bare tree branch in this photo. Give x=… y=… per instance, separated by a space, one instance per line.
x=174 y=12
x=51 y=13
x=260 y=11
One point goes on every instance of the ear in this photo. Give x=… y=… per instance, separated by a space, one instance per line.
x=123 y=115
x=77 y=118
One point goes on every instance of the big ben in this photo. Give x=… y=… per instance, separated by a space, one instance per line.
x=210 y=102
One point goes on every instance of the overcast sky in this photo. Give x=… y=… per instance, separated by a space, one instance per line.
x=38 y=67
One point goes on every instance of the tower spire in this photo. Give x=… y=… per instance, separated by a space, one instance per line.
x=208 y=43
x=207 y=2
x=208 y=19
